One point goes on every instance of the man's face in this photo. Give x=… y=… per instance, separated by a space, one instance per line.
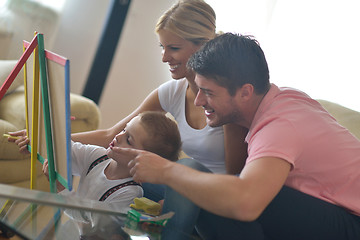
x=220 y=107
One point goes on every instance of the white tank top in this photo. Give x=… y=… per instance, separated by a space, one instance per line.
x=204 y=145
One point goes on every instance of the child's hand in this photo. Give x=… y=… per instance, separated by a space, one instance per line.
x=21 y=140
x=45 y=169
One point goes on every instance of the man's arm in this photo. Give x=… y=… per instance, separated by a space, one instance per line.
x=243 y=198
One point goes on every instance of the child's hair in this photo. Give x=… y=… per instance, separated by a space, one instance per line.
x=164 y=136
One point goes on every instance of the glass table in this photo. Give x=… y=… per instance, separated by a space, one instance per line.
x=32 y=214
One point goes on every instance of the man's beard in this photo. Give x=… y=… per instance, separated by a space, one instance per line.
x=225 y=119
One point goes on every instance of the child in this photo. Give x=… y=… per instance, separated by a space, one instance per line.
x=105 y=176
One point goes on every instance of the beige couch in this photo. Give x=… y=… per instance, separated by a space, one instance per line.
x=348 y=118
x=15 y=167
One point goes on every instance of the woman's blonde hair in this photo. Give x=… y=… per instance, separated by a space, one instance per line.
x=192 y=20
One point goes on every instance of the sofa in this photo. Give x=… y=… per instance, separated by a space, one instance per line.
x=348 y=118
x=15 y=167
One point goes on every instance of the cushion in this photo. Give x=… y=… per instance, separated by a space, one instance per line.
x=8 y=150
x=348 y=118
x=6 y=67
x=86 y=113
x=12 y=109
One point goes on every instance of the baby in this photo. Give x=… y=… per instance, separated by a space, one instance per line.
x=104 y=176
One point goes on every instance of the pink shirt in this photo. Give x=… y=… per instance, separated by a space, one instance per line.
x=325 y=157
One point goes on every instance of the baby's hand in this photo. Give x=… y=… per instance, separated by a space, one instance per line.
x=20 y=139
x=45 y=169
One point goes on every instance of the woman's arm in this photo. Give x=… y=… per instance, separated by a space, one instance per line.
x=235 y=148
x=103 y=137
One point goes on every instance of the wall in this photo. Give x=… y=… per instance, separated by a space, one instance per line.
x=137 y=68
x=309 y=45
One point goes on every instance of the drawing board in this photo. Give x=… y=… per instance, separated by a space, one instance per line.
x=54 y=141
x=47 y=97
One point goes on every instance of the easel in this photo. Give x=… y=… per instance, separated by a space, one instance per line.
x=41 y=64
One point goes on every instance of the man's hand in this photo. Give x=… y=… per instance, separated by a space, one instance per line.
x=145 y=166
x=22 y=140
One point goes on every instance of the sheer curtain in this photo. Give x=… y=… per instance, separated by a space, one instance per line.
x=310 y=45
x=19 y=19
x=57 y=5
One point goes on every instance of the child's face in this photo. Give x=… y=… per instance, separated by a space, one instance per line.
x=133 y=135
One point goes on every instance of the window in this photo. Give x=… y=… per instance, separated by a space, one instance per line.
x=55 y=4
x=310 y=45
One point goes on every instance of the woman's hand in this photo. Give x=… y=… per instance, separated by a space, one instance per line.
x=21 y=140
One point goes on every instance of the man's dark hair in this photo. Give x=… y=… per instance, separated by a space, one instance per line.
x=232 y=60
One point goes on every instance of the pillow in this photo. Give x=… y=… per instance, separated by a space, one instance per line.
x=348 y=118
x=6 y=67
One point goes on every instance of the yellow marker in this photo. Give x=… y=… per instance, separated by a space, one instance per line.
x=9 y=136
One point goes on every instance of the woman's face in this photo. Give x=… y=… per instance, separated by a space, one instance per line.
x=176 y=52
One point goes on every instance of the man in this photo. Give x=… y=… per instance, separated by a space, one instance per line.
x=301 y=179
